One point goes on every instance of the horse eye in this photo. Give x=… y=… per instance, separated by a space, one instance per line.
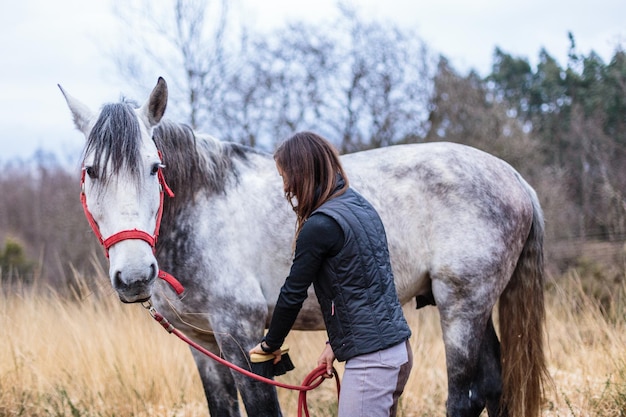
x=91 y=172
x=155 y=168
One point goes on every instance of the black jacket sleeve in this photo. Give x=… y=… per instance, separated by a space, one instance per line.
x=321 y=237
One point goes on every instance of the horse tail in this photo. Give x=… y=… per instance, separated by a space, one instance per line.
x=522 y=317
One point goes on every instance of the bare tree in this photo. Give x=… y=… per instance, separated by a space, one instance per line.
x=387 y=81
x=185 y=41
x=464 y=110
x=361 y=84
x=281 y=86
x=595 y=160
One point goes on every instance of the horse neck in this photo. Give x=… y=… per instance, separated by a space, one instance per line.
x=198 y=164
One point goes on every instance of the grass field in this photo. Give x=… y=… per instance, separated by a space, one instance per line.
x=98 y=357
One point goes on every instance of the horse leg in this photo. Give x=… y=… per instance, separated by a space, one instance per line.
x=463 y=336
x=220 y=387
x=218 y=383
x=259 y=398
x=238 y=328
x=489 y=375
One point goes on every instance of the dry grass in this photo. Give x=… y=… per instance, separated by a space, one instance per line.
x=98 y=357
x=587 y=353
x=94 y=358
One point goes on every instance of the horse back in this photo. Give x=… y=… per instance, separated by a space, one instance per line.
x=449 y=210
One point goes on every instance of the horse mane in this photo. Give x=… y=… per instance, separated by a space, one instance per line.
x=195 y=162
x=114 y=140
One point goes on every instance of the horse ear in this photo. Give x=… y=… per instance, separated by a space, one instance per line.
x=154 y=108
x=82 y=114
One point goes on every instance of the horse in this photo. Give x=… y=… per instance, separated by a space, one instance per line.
x=465 y=232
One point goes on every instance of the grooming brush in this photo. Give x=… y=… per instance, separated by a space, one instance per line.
x=263 y=364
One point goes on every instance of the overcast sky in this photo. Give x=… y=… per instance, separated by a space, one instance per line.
x=50 y=42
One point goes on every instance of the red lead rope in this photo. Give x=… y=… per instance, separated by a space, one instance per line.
x=313 y=380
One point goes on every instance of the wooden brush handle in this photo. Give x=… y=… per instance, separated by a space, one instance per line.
x=258 y=357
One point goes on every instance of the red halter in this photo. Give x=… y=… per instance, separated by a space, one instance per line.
x=134 y=233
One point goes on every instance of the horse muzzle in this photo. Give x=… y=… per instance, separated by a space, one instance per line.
x=134 y=286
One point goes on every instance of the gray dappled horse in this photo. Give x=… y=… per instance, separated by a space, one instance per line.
x=464 y=230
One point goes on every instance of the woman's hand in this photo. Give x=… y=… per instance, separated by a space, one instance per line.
x=258 y=349
x=327 y=358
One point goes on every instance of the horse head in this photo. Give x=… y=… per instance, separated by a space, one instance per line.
x=122 y=187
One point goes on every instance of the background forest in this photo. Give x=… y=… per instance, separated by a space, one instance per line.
x=363 y=84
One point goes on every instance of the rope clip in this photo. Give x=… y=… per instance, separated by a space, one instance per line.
x=158 y=317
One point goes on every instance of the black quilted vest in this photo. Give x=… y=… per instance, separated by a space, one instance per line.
x=355 y=288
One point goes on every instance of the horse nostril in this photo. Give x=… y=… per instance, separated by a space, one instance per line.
x=117 y=279
x=153 y=271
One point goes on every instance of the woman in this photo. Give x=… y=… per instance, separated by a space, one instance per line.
x=341 y=248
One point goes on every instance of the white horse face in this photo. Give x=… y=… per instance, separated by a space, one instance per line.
x=123 y=193
x=127 y=202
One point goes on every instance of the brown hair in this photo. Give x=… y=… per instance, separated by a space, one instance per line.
x=310 y=167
